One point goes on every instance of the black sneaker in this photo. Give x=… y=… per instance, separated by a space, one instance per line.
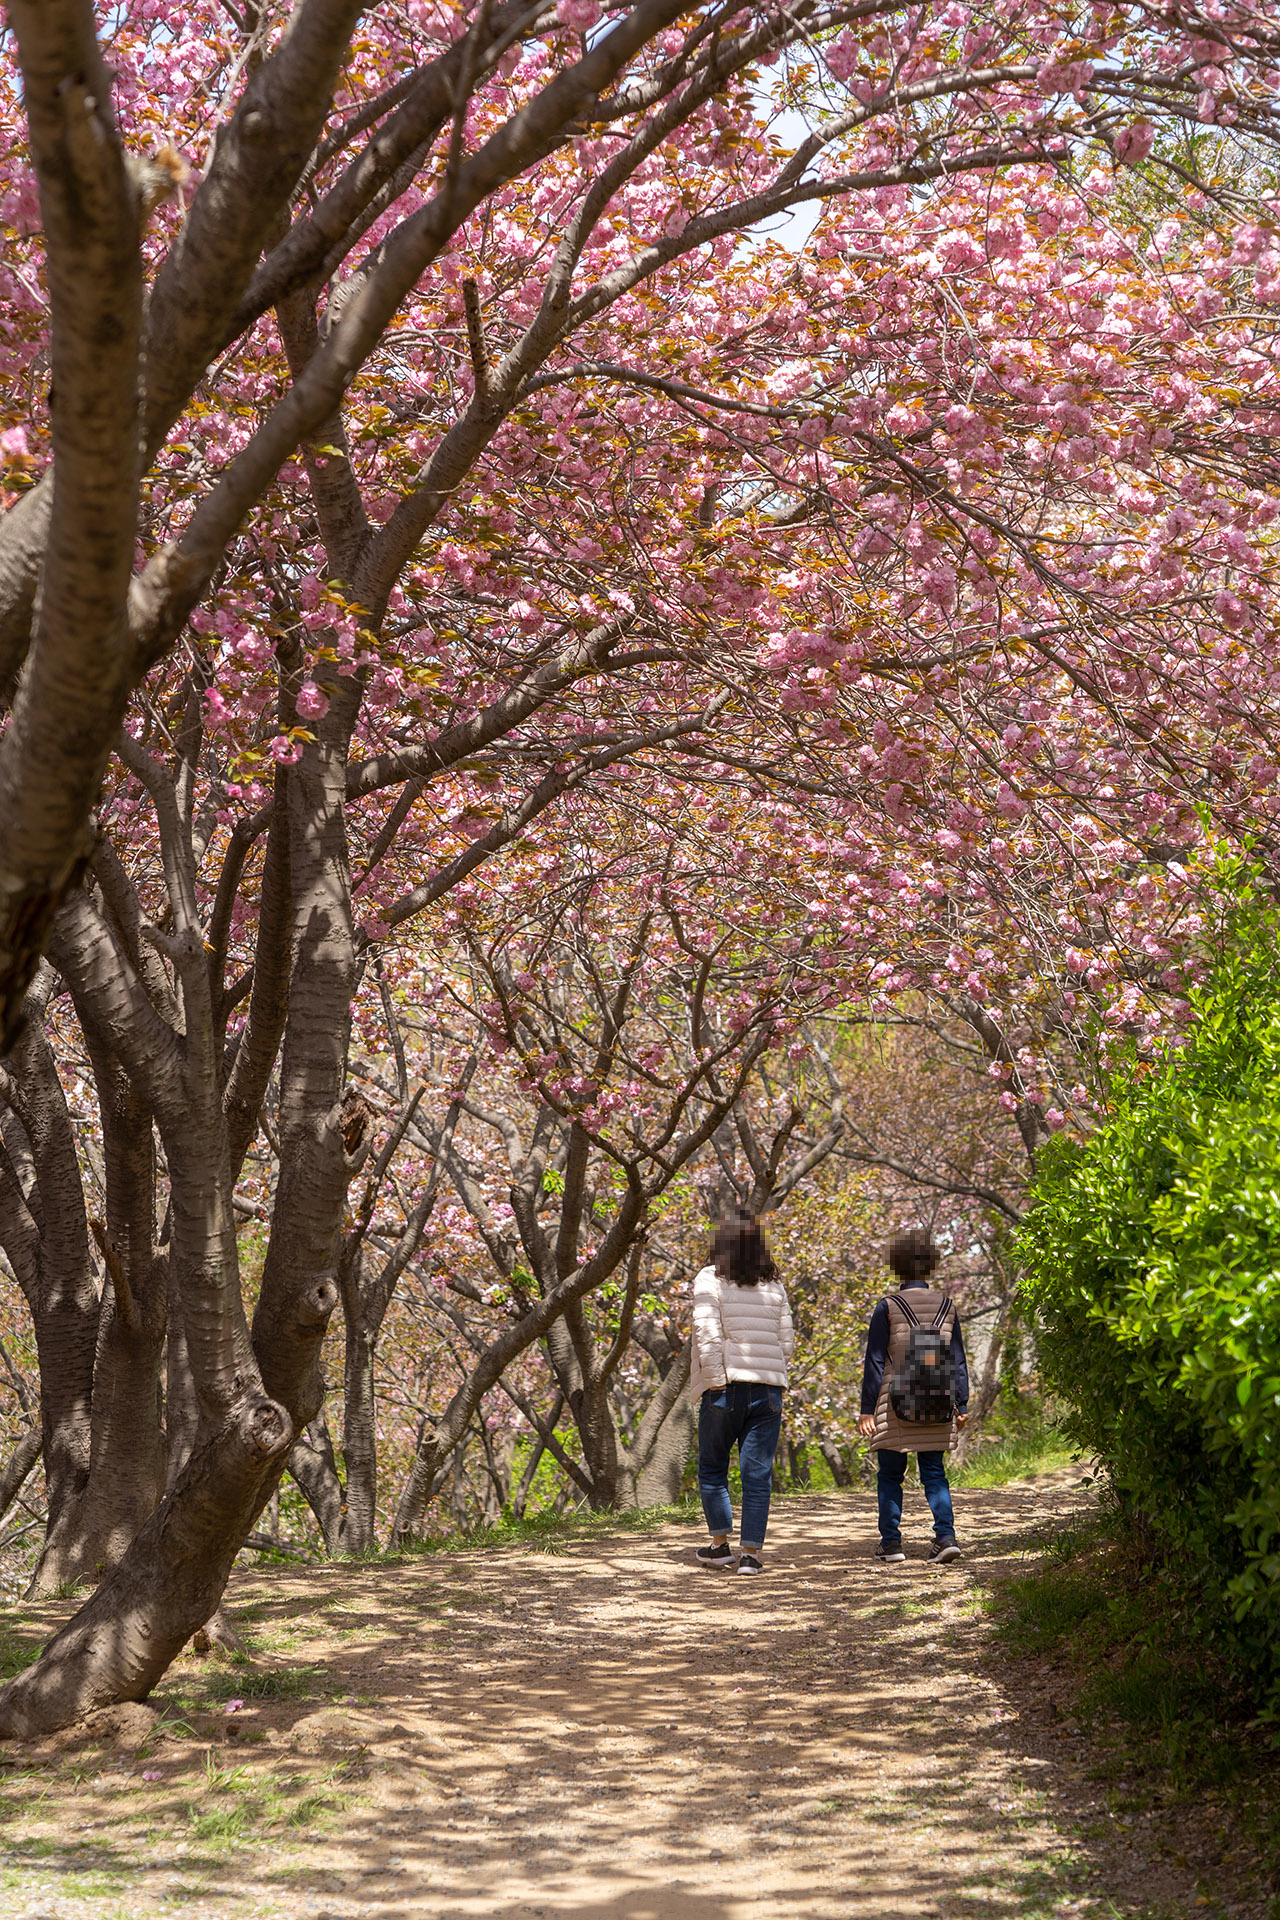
x=721 y=1556
x=750 y=1564
x=943 y=1550
x=889 y=1555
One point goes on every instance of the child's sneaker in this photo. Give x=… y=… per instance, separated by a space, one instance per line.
x=720 y=1557
x=888 y=1556
x=943 y=1550
x=750 y=1564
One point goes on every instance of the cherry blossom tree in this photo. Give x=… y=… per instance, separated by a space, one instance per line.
x=635 y=1033
x=295 y=360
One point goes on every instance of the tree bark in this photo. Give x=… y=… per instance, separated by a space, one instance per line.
x=168 y=1584
x=836 y=1462
x=49 y=1251
x=323 y=1123
x=72 y=694
x=359 y=1429
x=315 y=1469
x=659 y=1452
x=658 y=1483
x=21 y=1465
x=170 y=1580
x=127 y=1450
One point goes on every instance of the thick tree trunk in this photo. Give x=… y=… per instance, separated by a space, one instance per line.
x=182 y=1408
x=659 y=1481
x=168 y=1584
x=126 y=1466
x=170 y=1580
x=323 y=1123
x=126 y=1461
x=653 y=1466
x=593 y=1417
x=71 y=694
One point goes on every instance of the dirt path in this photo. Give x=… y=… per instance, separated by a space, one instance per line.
x=604 y=1731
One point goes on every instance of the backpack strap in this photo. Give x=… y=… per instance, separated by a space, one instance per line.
x=940 y=1317
x=900 y=1301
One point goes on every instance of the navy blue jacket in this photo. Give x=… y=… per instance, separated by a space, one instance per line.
x=878 y=1352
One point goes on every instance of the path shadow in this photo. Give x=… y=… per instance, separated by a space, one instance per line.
x=614 y=1733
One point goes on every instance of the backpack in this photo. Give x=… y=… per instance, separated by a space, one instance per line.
x=921 y=1392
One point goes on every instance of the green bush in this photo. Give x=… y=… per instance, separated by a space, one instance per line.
x=1152 y=1259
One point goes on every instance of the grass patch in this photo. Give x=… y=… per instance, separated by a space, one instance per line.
x=548 y=1532
x=239 y=1804
x=1147 y=1687
x=1020 y=1450
x=238 y=1678
x=1058 y=1601
x=245 y=1682
x=18 y=1652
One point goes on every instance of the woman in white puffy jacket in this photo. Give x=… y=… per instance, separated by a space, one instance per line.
x=742 y=1342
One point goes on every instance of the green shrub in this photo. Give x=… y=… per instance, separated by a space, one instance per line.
x=1152 y=1256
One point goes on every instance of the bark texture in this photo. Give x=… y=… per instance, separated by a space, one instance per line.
x=45 y=1235
x=73 y=690
x=142 y=1615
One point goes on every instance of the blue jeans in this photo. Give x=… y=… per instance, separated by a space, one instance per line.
x=749 y=1415
x=890 y=1468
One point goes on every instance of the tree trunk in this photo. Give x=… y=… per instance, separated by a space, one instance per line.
x=170 y=1580
x=659 y=1482
x=497 y=1460
x=419 y=1486
x=359 y=1440
x=20 y=1467
x=127 y=1454
x=653 y=1469
x=323 y=1122
x=182 y=1409
x=837 y=1463
x=315 y=1469
x=168 y=1584
x=593 y=1418
x=45 y=1233
x=127 y=1464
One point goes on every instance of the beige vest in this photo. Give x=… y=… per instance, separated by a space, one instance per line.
x=908 y=1436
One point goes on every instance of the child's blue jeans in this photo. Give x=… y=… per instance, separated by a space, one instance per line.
x=890 y=1470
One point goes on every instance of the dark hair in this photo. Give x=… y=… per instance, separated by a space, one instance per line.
x=913 y=1255
x=740 y=1252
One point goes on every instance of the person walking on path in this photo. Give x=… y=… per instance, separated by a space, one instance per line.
x=742 y=1342
x=908 y=1336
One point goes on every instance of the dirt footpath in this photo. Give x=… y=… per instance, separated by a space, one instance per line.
x=607 y=1731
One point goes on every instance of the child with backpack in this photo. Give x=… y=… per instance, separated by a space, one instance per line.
x=915 y=1380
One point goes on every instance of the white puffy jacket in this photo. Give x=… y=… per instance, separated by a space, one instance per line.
x=739 y=1333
